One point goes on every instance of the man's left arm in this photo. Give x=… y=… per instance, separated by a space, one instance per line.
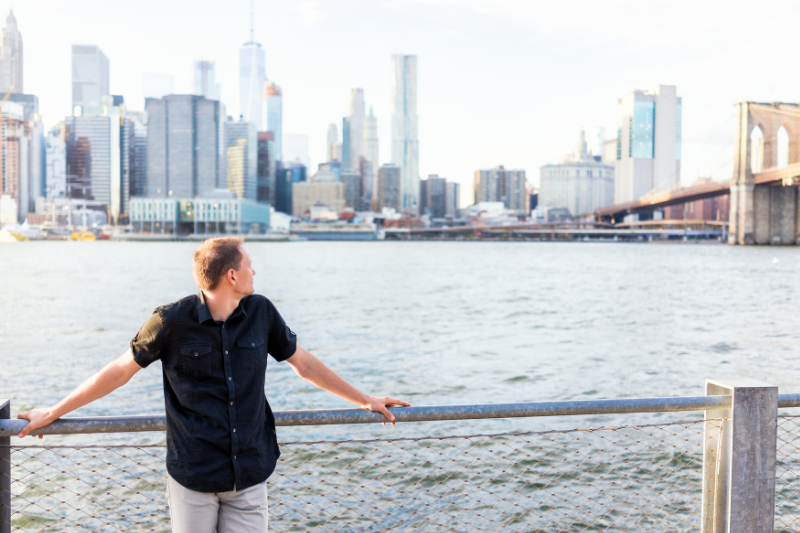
x=314 y=371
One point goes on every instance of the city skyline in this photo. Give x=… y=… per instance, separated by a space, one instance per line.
x=702 y=67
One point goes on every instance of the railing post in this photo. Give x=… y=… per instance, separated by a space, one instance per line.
x=5 y=472
x=739 y=458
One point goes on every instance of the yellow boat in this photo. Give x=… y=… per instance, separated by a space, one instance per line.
x=83 y=236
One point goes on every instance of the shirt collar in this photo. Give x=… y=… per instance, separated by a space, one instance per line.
x=204 y=314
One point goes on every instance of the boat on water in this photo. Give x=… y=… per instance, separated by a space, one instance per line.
x=7 y=236
x=24 y=231
x=83 y=236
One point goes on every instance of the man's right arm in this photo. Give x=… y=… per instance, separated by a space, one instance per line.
x=114 y=375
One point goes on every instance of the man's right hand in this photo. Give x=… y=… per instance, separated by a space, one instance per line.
x=38 y=418
x=111 y=377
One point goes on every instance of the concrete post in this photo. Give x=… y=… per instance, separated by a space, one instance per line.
x=739 y=458
x=5 y=472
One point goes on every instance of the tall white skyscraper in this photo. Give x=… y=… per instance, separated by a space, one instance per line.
x=90 y=79
x=11 y=57
x=332 y=141
x=370 y=145
x=274 y=116
x=648 y=143
x=356 y=126
x=205 y=83
x=405 y=142
x=252 y=75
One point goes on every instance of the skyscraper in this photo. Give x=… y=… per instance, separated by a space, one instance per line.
x=274 y=118
x=241 y=145
x=11 y=57
x=184 y=158
x=94 y=161
x=433 y=196
x=370 y=147
x=452 y=201
x=648 y=143
x=265 y=172
x=332 y=141
x=252 y=75
x=356 y=126
x=56 y=163
x=346 y=153
x=390 y=187
x=501 y=185
x=90 y=79
x=405 y=142
x=22 y=159
x=205 y=83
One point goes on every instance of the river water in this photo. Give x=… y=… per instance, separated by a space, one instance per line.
x=429 y=322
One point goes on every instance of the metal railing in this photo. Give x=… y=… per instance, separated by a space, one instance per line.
x=658 y=477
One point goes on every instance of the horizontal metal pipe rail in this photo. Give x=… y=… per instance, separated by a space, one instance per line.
x=122 y=424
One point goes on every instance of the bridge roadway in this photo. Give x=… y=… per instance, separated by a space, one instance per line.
x=788 y=175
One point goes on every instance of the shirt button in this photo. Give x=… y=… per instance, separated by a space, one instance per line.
x=226 y=352
x=195 y=354
x=253 y=345
x=229 y=379
x=234 y=430
x=234 y=457
x=231 y=403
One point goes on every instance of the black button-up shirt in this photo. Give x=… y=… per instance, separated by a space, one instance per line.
x=220 y=428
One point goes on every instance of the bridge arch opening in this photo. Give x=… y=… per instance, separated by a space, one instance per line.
x=756 y=150
x=783 y=147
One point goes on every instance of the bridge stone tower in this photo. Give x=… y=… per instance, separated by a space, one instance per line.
x=764 y=204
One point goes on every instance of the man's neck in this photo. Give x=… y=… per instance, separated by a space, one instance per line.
x=221 y=305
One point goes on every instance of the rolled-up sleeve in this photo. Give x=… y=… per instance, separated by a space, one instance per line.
x=282 y=341
x=151 y=340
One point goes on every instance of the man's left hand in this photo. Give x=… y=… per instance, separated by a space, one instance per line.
x=378 y=404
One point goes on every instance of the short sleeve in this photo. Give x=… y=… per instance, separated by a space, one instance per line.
x=151 y=340
x=282 y=341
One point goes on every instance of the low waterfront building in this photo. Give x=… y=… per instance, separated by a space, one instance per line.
x=334 y=231
x=580 y=183
x=306 y=194
x=200 y=216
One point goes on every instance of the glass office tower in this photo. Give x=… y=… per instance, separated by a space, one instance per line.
x=90 y=79
x=405 y=141
x=183 y=146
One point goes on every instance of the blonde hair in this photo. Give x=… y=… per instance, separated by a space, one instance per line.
x=214 y=258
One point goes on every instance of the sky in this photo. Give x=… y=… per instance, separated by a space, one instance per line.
x=500 y=82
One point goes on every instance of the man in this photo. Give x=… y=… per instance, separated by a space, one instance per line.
x=221 y=443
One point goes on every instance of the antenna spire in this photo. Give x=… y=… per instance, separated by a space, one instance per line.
x=252 y=18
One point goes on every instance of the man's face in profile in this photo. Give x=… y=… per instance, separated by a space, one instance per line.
x=244 y=275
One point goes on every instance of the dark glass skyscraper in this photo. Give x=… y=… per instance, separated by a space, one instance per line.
x=89 y=158
x=265 y=174
x=295 y=173
x=183 y=146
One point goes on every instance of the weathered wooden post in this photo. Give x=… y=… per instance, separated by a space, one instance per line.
x=5 y=472
x=739 y=458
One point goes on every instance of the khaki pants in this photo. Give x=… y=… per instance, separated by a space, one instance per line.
x=242 y=511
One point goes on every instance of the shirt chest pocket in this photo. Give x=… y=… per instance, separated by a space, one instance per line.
x=253 y=351
x=195 y=361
